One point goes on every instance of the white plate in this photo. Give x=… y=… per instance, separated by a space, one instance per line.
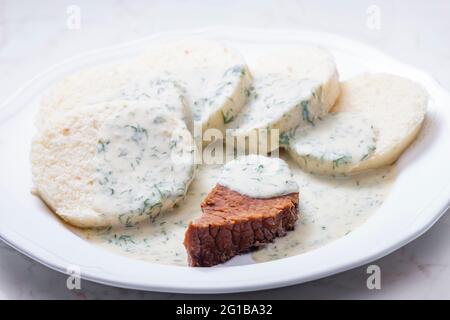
x=419 y=197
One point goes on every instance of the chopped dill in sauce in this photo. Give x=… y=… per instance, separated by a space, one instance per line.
x=321 y=198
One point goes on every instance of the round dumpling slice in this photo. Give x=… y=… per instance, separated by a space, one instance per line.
x=215 y=76
x=113 y=163
x=89 y=86
x=339 y=143
x=291 y=88
x=394 y=105
x=122 y=81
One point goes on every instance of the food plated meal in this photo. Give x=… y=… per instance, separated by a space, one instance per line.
x=118 y=157
x=344 y=220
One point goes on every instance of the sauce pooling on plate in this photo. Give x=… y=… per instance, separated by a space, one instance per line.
x=330 y=207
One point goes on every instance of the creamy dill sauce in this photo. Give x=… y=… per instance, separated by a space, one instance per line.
x=329 y=209
x=337 y=143
x=144 y=163
x=167 y=92
x=258 y=176
x=280 y=101
x=216 y=78
x=215 y=92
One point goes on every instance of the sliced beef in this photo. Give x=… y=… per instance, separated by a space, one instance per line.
x=233 y=223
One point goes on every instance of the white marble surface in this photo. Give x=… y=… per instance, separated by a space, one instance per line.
x=34 y=35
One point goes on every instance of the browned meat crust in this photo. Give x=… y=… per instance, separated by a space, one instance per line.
x=233 y=223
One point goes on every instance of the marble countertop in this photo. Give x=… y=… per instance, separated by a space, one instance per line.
x=35 y=35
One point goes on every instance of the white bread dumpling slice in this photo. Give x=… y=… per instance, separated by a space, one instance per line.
x=394 y=105
x=291 y=87
x=338 y=143
x=215 y=76
x=113 y=163
x=124 y=81
x=89 y=86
